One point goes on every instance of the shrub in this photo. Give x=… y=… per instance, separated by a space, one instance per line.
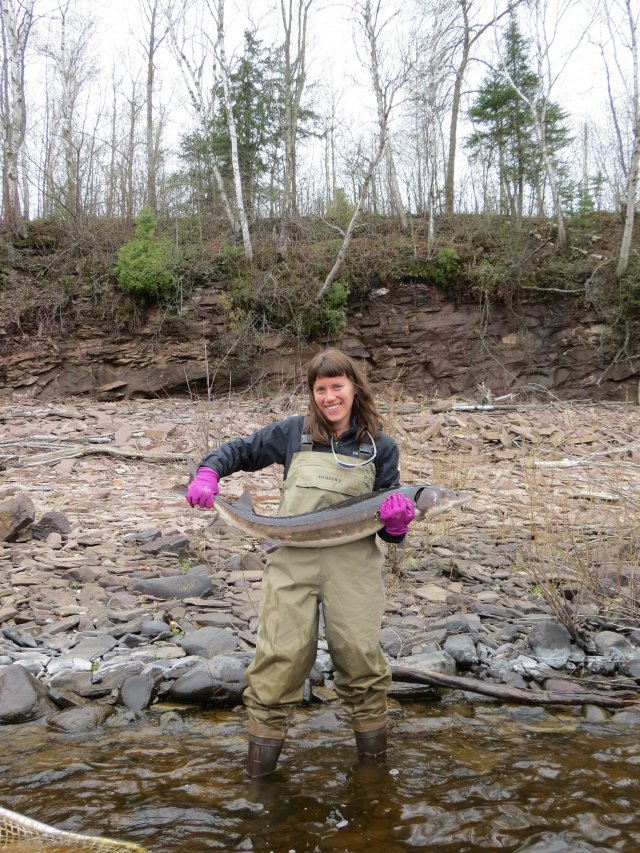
x=445 y=267
x=334 y=308
x=146 y=265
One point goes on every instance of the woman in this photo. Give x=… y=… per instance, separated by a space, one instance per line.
x=336 y=452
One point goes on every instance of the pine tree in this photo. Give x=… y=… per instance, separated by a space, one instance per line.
x=505 y=137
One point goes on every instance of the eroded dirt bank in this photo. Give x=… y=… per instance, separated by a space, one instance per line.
x=413 y=337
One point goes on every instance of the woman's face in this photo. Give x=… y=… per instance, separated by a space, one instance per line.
x=334 y=397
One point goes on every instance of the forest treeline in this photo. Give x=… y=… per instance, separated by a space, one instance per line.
x=460 y=109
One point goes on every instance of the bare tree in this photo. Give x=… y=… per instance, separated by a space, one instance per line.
x=194 y=60
x=68 y=54
x=545 y=19
x=470 y=33
x=621 y=19
x=217 y=11
x=156 y=33
x=294 y=20
x=16 y=18
x=386 y=86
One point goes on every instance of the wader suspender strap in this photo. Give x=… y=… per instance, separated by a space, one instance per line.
x=364 y=451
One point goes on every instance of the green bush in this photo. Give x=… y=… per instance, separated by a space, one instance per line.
x=146 y=265
x=445 y=267
x=334 y=307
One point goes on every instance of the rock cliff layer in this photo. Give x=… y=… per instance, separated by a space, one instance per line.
x=413 y=336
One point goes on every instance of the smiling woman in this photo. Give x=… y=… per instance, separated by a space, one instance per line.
x=342 y=580
x=334 y=397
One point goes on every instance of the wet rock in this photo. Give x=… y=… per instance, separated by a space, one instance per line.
x=218 y=682
x=193 y=583
x=440 y=661
x=209 y=642
x=22 y=697
x=136 y=692
x=614 y=646
x=16 y=514
x=628 y=718
x=551 y=643
x=80 y=719
x=462 y=649
x=51 y=522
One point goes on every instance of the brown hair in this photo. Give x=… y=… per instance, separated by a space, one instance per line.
x=332 y=362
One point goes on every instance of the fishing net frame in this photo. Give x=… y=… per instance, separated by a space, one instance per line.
x=16 y=829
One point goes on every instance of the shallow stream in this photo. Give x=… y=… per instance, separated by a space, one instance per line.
x=461 y=776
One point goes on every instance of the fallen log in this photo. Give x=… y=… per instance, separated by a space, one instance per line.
x=88 y=450
x=621 y=699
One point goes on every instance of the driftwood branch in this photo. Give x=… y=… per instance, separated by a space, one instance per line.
x=88 y=450
x=621 y=699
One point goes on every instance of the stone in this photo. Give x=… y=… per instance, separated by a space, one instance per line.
x=435 y=661
x=172 y=544
x=209 y=642
x=551 y=643
x=16 y=513
x=80 y=719
x=432 y=592
x=51 y=522
x=7 y=613
x=136 y=692
x=614 y=646
x=92 y=648
x=193 y=583
x=22 y=697
x=218 y=682
x=462 y=649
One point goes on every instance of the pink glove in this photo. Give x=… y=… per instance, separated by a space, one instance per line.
x=202 y=490
x=396 y=514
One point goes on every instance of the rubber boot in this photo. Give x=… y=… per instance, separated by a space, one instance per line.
x=263 y=755
x=372 y=744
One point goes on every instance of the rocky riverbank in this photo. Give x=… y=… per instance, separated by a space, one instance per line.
x=115 y=595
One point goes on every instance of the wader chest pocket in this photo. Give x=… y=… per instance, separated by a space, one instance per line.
x=341 y=483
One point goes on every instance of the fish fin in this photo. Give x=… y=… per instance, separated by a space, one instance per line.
x=245 y=501
x=271 y=545
x=179 y=490
x=191 y=465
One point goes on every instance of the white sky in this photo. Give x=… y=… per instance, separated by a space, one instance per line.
x=332 y=60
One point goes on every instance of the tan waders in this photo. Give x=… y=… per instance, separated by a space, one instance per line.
x=347 y=581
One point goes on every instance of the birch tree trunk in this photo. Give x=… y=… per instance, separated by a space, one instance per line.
x=192 y=75
x=294 y=82
x=538 y=103
x=634 y=162
x=240 y=211
x=16 y=18
x=385 y=91
x=470 y=35
x=151 y=47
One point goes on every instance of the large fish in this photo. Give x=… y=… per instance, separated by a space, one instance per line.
x=354 y=518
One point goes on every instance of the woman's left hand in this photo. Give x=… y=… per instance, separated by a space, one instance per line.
x=396 y=514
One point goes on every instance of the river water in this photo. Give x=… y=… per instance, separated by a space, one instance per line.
x=463 y=774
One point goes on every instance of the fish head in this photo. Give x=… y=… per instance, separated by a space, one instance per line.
x=436 y=500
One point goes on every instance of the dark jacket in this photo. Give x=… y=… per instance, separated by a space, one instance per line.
x=276 y=444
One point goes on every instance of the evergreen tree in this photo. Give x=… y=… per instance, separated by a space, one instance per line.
x=505 y=135
x=256 y=107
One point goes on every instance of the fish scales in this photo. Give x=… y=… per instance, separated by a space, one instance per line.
x=346 y=521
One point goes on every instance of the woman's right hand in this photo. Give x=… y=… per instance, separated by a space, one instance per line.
x=203 y=489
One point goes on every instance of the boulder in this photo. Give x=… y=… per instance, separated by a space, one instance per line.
x=16 y=513
x=22 y=697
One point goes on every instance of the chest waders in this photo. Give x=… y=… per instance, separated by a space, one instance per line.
x=347 y=581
